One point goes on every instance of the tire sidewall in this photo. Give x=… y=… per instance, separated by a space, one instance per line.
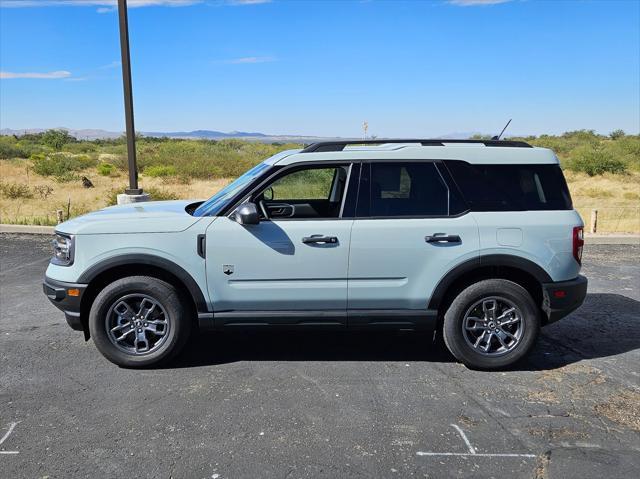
x=454 y=317
x=160 y=291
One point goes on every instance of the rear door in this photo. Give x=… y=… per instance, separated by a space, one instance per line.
x=404 y=240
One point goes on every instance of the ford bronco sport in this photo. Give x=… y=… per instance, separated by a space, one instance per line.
x=477 y=240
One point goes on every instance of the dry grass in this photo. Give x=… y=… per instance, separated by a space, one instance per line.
x=38 y=210
x=617 y=197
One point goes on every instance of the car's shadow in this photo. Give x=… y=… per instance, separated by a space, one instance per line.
x=606 y=325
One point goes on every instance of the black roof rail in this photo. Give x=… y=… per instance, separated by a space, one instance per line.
x=339 y=145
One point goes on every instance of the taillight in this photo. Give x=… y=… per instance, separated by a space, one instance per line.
x=578 y=243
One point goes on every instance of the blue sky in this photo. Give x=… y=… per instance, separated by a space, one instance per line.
x=409 y=68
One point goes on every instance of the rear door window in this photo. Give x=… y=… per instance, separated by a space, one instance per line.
x=407 y=189
x=511 y=187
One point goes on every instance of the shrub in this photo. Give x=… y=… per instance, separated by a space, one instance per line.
x=9 y=148
x=158 y=171
x=629 y=195
x=111 y=197
x=156 y=194
x=595 y=161
x=106 y=169
x=59 y=164
x=615 y=134
x=15 y=190
x=66 y=178
x=43 y=191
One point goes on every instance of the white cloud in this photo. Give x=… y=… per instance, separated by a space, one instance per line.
x=105 y=5
x=473 y=3
x=109 y=66
x=244 y=60
x=45 y=75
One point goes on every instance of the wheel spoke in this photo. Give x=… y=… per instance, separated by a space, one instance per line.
x=479 y=340
x=487 y=343
x=501 y=339
x=147 y=305
x=489 y=307
x=478 y=324
x=505 y=313
x=508 y=322
x=124 y=335
x=141 y=343
x=124 y=310
x=508 y=334
x=153 y=326
x=121 y=326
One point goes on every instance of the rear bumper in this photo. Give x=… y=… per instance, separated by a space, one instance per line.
x=58 y=294
x=563 y=297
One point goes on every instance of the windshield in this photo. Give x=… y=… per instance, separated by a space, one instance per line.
x=218 y=201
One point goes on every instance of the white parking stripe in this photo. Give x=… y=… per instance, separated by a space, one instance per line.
x=7 y=434
x=464 y=438
x=472 y=450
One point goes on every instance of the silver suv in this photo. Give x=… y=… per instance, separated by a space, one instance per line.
x=475 y=239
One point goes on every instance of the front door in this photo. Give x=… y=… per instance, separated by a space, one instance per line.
x=291 y=268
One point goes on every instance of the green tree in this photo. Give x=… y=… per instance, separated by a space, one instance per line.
x=56 y=139
x=615 y=134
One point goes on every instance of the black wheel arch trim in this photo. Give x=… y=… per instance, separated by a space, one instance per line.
x=150 y=260
x=512 y=261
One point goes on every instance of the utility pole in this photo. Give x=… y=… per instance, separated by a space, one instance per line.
x=132 y=194
x=365 y=127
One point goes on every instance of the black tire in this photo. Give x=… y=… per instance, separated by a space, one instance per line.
x=169 y=302
x=486 y=290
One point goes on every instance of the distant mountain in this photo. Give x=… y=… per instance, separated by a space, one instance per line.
x=91 y=134
x=88 y=134
x=94 y=134
x=209 y=134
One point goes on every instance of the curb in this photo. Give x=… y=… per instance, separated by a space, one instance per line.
x=612 y=239
x=27 y=229
x=588 y=238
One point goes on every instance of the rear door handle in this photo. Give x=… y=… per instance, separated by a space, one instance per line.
x=442 y=238
x=319 y=239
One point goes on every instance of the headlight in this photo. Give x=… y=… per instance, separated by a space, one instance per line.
x=62 y=249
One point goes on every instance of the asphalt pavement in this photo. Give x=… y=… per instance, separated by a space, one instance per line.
x=332 y=405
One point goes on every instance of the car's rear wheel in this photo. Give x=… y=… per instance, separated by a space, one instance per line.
x=491 y=324
x=139 y=321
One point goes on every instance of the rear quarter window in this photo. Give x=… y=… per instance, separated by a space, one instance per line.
x=511 y=187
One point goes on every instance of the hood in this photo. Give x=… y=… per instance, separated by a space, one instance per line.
x=147 y=217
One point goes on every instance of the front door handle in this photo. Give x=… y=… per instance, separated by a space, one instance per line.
x=442 y=238
x=319 y=239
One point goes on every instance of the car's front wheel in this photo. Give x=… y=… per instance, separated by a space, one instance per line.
x=139 y=321
x=491 y=324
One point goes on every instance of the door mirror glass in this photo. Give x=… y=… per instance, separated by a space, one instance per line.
x=247 y=214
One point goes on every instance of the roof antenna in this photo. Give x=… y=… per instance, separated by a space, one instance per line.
x=500 y=135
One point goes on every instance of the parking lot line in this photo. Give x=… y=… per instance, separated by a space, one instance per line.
x=472 y=450
x=6 y=435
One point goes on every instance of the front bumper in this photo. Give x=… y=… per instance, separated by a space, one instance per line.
x=563 y=297
x=67 y=297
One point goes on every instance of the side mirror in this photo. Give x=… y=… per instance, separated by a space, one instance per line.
x=247 y=214
x=268 y=194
